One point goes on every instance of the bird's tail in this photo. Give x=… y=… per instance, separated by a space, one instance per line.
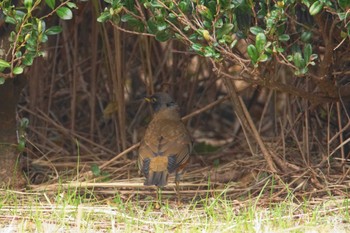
x=159 y=179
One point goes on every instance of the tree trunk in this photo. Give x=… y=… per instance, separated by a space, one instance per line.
x=10 y=172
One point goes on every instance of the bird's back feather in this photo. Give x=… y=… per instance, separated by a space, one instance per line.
x=165 y=148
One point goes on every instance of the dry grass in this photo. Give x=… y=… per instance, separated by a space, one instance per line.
x=94 y=209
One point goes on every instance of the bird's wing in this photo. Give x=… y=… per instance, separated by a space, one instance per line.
x=178 y=146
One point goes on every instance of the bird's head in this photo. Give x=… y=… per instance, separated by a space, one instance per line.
x=161 y=101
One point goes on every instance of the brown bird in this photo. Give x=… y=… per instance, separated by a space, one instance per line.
x=166 y=146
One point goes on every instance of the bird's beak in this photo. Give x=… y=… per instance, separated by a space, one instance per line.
x=148 y=99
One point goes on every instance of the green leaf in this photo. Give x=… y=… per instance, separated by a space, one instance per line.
x=304 y=70
x=151 y=26
x=227 y=39
x=316 y=7
x=284 y=37
x=161 y=26
x=307 y=52
x=280 y=50
x=197 y=47
x=96 y=171
x=31 y=44
x=313 y=57
x=12 y=36
x=18 y=70
x=44 y=38
x=344 y=3
x=24 y=123
x=10 y=20
x=19 y=15
x=41 y=26
x=147 y=5
x=18 y=54
x=50 y=3
x=306 y=3
x=159 y=17
x=263 y=57
x=172 y=16
x=253 y=53
x=104 y=17
x=2 y=80
x=212 y=6
x=233 y=44
x=306 y=36
x=209 y=51
x=163 y=36
x=224 y=30
x=72 y=5
x=298 y=60
x=4 y=64
x=205 y=11
x=21 y=145
x=219 y=23
x=156 y=4
x=28 y=59
x=184 y=6
x=256 y=30
x=127 y=17
x=132 y=22
x=115 y=19
x=28 y=4
x=207 y=24
x=53 y=30
x=260 y=42
x=64 y=13
x=343 y=15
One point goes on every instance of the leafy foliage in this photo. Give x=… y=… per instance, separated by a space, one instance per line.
x=23 y=125
x=278 y=30
x=29 y=32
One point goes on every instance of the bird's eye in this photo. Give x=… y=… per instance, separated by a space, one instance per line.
x=170 y=104
x=154 y=100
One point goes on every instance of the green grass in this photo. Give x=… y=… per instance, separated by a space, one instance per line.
x=73 y=209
